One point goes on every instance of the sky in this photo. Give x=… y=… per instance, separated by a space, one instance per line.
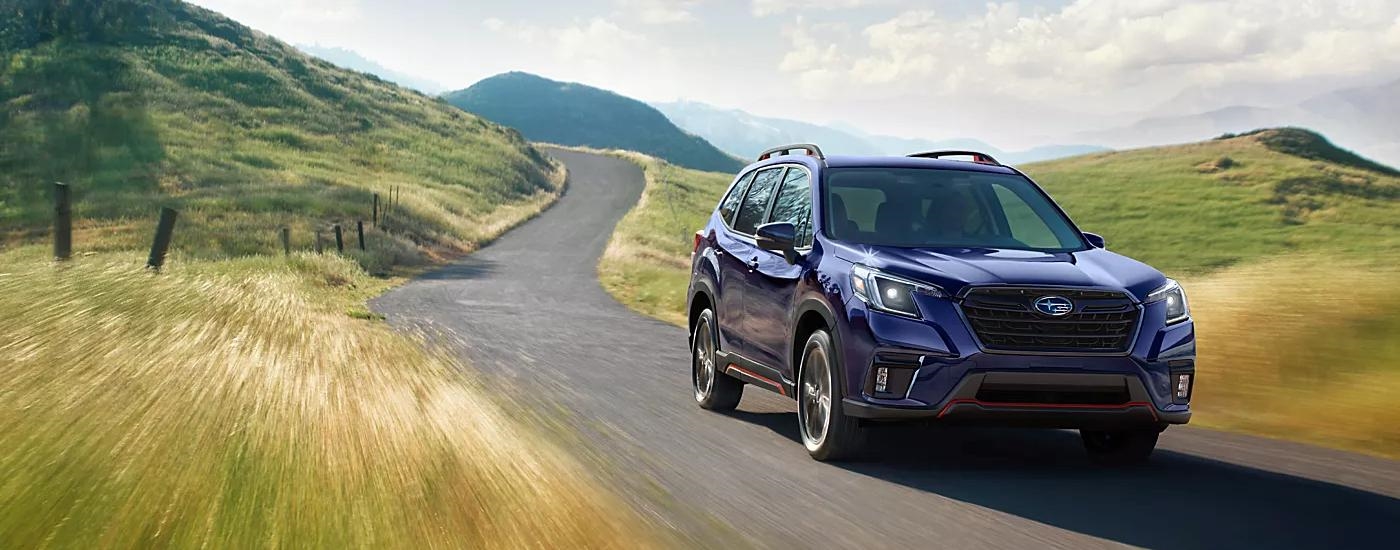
x=1017 y=74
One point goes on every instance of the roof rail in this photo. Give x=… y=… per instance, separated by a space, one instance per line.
x=811 y=149
x=977 y=157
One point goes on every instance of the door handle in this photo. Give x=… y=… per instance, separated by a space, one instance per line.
x=753 y=264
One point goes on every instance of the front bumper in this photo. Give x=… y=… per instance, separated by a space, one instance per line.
x=989 y=398
x=936 y=370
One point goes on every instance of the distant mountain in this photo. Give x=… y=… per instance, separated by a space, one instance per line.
x=745 y=135
x=892 y=145
x=1366 y=119
x=350 y=59
x=574 y=114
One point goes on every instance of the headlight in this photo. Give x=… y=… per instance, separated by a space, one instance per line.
x=889 y=293
x=1171 y=293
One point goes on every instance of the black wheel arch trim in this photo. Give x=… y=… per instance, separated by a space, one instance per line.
x=700 y=285
x=815 y=303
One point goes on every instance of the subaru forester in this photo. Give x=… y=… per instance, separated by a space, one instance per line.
x=942 y=286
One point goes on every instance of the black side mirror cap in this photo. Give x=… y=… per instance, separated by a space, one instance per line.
x=1095 y=240
x=778 y=237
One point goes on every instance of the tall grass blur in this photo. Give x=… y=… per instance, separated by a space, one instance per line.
x=242 y=398
x=1290 y=264
x=1303 y=348
x=236 y=404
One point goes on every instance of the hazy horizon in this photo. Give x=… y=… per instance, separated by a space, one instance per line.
x=1016 y=74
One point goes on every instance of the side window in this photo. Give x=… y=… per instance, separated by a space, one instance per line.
x=756 y=201
x=731 y=201
x=794 y=205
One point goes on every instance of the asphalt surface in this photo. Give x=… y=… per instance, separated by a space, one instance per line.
x=528 y=312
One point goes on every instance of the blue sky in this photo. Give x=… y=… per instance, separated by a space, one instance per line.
x=1015 y=73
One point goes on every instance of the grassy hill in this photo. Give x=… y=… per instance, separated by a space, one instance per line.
x=1195 y=208
x=143 y=104
x=1246 y=222
x=240 y=398
x=573 y=114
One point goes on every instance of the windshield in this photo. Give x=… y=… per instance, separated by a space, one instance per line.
x=931 y=208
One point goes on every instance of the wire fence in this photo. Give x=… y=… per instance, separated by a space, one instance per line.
x=381 y=212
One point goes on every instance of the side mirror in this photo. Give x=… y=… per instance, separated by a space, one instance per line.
x=779 y=237
x=1095 y=240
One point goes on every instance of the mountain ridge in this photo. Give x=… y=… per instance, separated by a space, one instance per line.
x=744 y=134
x=351 y=59
x=570 y=113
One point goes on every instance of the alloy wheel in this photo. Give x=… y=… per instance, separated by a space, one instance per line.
x=814 y=408
x=703 y=371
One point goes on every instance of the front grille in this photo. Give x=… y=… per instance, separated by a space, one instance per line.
x=1005 y=320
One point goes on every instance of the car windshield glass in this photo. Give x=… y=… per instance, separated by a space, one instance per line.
x=932 y=208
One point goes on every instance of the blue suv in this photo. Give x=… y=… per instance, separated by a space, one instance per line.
x=879 y=289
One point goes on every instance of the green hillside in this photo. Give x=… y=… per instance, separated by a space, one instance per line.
x=573 y=114
x=1203 y=206
x=143 y=104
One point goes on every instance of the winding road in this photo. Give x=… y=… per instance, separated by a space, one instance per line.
x=528 y=312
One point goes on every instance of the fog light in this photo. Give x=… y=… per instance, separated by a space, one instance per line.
x=882 y=379
x=1183 y=387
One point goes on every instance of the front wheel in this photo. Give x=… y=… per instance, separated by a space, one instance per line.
x=827 y=432
x=714 y=390
x=1120 y=448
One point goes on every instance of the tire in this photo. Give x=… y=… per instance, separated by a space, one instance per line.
x=827 y=433
x=714 y=390
x=1119 y=448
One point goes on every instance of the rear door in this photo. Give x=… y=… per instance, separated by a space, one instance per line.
x=772 y=284
x=736 y=252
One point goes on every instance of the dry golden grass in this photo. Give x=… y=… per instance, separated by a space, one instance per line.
x=1303 y=348
x=235 y=404
x=647 y=262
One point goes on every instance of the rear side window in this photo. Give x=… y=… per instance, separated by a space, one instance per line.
x=756 y=201
x=794 y=205
x=731 y=201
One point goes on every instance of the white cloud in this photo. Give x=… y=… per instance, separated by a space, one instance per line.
x=773 y=7
x=598 y=41
x=1094 y=47
x=598 y=51
x=289 y=11
x=659 y=11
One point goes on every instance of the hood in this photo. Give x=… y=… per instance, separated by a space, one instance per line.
x=955 y=268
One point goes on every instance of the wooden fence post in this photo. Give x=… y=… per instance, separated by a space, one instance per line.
x=286 y=241
x=62 y=222
x=165 y=229
x=360 y=232
x=319 y=246
x=375 y=220
x=339 y=241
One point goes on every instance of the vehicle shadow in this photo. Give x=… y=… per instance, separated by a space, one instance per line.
x=1177 y=500
x=470 y=267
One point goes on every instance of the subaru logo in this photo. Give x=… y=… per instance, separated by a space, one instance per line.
x=1054 y=306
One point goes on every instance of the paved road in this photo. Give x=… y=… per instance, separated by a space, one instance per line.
x=529 y=313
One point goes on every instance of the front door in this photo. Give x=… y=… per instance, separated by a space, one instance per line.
x=773 y=282
x=738 y=253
